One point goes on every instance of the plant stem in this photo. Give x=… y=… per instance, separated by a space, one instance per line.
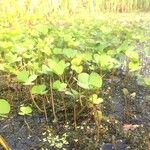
x=97 y=123
x=64 y=105
x=75 y=115
x=127 y=72
x=52 y=100
x=46 y=118
x=32 y=98
x=111 y=87
x=4 y=144
x=27 y=125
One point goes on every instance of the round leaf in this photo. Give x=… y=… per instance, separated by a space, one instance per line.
x=39 y=89
x=95 y=81
x=83 y=80
x=25 y=110
x=4 y=107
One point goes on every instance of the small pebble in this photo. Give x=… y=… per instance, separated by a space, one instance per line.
x=107 y=146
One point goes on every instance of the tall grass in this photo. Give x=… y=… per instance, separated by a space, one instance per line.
x=72 y=6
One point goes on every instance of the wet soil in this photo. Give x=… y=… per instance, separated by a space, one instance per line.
x=123 y=127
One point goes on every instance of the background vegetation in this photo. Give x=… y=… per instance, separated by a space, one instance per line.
x=71 y=6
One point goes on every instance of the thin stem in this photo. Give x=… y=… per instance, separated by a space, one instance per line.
x=127 y=72
x=46 y=118
x=81 y=110
x=27 y=125
x=32 y=98
x=97 y=123
x=4 y=144
x=52 y=100
x=111 y=87
x=64 y=105
x=127 y=107
x=75 y=115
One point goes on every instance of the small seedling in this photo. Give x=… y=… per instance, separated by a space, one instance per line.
x=25 y=110
x=95 y=100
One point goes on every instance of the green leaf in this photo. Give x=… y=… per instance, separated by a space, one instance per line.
x=77 y=69
x=105 y=61
x=72 y=93
x=57 y=51
x=43 y=29
x=23 y=76
x=31 y=79
x=4 y=107
x=95 y=81
x=83 y=80
x=57 y=85
x=70 y=53
x=92 y=81
x=95 y=100
x=133 y=55
x=45 y=69
x=60 y=67
x=25 y=110
x=57 y=67
x=77 y=60
x=134 y=66
x=39 y=89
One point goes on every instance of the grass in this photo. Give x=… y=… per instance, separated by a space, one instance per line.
x=60 y=6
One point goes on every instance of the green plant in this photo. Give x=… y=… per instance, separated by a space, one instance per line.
x=132 y=62
x=89 y=81
x=4 y=108
x=25 y=77
x=39 y=89
x=62 y=61
x=25 y=110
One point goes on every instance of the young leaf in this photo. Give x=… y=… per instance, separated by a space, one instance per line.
x=95 y=100
x=133 y=55
x=25 y=110
x=60 y=67
x=23 y=76
x=39 y=89
x=134 y=66
x=30 y=79
x=95 y=81
x=4 y=107
x=78 y=69
x=57 y=85
x=83 y=80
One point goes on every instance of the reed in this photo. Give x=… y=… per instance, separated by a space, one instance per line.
x=73 y=6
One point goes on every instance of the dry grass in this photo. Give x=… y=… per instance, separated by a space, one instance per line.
x=73 y=6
